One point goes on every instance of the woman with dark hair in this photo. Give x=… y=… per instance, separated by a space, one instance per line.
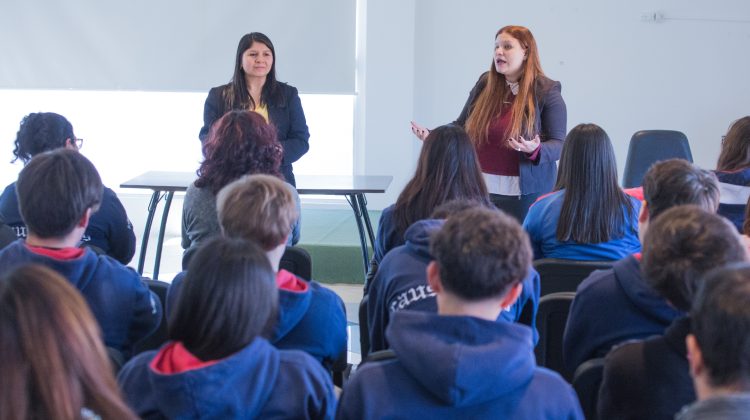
x=733 y=171
x=516 y=119
x=588 y=216
x=52 y=355
x=109 y=231
x=447 y=170
x=254 y=88
x=240 y=143
x=218 y=363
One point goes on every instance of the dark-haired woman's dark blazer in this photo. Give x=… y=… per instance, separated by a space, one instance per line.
x=536 y=176
x=287 y=116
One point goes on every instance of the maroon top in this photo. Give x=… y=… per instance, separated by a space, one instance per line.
x=496 y=157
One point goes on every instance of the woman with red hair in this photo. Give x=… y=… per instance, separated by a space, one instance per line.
x=516 y=118
x=239 y=143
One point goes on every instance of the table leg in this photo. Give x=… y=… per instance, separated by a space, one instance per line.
x=354 y=202
x=366 y=217
x=162 y=228
x=149 y=220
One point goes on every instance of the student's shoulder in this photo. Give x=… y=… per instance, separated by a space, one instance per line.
x=299 y=363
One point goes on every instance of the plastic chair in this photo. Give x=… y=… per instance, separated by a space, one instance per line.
x=586 y=382
x=551 y=318
x=650 y=146
x=160 y=336
x=558 y=275
x=297 y=261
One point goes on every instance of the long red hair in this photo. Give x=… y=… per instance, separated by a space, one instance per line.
x=489 y=102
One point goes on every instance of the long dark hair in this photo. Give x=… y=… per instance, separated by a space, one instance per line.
x=41 y=132
x=239 y=143
x=447 y=170
x=52 y=356
x=735 y=149
x=592 y=210
x=489 y=103
x=228 y=299
x=236 y=95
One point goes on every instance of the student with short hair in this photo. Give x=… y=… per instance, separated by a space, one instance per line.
x=109 y=231
x=311 y=317
x=719 y=346
x=650 y=378
x=615 y=305
x=401 y=280
x=52 y=357
x=460 y=362
x=58 y=191
x=217 y=363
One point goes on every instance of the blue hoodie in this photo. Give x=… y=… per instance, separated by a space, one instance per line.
x=256 y=382
x=122 y=304
x=312 y=318
x=387 y=237
x=610 y=307
x=401 y=283
x=109 y=229
x=734 y=190
x=457 y=367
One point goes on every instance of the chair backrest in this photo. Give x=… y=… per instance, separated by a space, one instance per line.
x=297 y=261
x=551 y=318
x=160 y=336
x=586 y=382
x=650 y=146
x=364 y=329
x=558 y=275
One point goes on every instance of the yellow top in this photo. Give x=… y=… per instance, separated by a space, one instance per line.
x=262 y=110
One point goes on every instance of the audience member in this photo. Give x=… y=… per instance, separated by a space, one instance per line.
x=733 y=171
x=401 y=280
x=615 y=305
x=52 y=357
x=109 y=231
x=240 y=143
x=311 y=317
x=218 y=363
x=587 y=216
x=7 y=235
x=447 y=169
x=460 y=362
x=719 y=347
x=650 y=378
x=58 y=191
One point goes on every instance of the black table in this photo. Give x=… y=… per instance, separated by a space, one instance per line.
x=353 y=188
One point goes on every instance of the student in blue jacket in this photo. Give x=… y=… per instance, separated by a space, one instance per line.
x=109 y=231
x=58 y=192
x=733 y=171
x=586 y=216
x=217 y=363
x=311 y=317
x=401 y=281
x=460 y=362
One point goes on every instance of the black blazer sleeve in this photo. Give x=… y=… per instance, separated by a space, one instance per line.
x=469 y=105
x=291 y=126
x=212 y=110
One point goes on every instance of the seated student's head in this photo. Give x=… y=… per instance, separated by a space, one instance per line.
x=52 y=355
x=735 y=147
x=481 y=257
x=41 y=132
x=57 y=193
x=259 y=208
x=452 y=207
x=239 y=143
x=447 y=169
x=674 y=182
x=681 y=245
x=594 y=209
x=719 y=346
x=228 y=298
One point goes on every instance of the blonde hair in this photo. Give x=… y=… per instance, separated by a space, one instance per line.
x=257 y=207
x=489 y=102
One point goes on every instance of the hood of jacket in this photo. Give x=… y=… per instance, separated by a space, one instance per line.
x=461 y=360
x=630 y=279
x=417 y=236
